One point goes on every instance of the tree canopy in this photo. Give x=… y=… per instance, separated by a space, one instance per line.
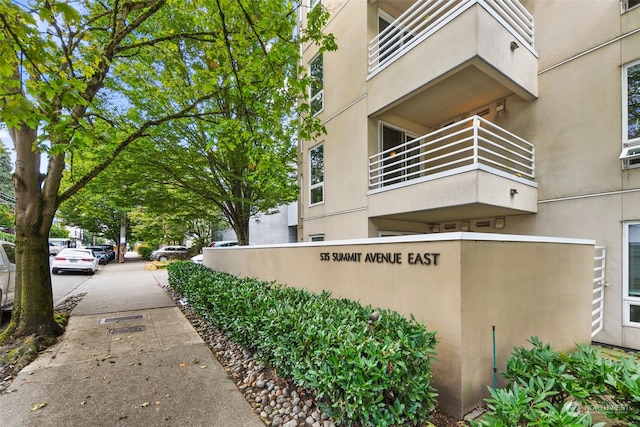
x=84 y=81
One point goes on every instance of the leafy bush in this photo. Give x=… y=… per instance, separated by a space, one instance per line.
x=551 y=388
x=144 y=251
x=7 y=237
x=365 y=366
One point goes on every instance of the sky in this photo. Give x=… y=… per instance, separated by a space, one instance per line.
x=8 y=144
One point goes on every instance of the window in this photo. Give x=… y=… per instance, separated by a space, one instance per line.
x=10 y=250
x=401 y=153
x=631 y=115
x=317 y=238
x=627 y=4
x=316 y=169
x=316 y=94
x=313 y=3
x=392 y=39
x=631 y=274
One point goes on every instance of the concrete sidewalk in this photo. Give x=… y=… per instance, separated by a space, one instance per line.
x=129 y=357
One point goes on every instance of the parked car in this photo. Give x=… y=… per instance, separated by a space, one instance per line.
x=7 y=275
x=75 y=259
x=198 y=259
x=169 y=252
x=225 y=243
x=110 y=252
x=101 y=253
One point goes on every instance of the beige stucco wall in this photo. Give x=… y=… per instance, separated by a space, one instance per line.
x=524 y=286
x=575 y=125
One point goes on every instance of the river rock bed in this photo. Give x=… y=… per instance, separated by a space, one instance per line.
x=278 y=402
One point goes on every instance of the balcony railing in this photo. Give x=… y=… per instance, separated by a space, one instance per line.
x=472 y=143
x=425 y=17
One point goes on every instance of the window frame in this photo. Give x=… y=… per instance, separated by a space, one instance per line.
x=625 y=5
x=407 y=136
x=630 y=154
x=320 y=93
x=627 y=299
x=318 y=185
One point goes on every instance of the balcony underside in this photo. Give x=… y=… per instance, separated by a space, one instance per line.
x=471 y=194
x=466 y=64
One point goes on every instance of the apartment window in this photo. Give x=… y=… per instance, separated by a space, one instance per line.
x=631 y=115
x=316 y=165
x=627 y=4
x=400 y=150
x=316 y=94
x=631 y=274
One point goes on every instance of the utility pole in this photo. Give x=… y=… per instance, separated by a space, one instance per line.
x=123 y=239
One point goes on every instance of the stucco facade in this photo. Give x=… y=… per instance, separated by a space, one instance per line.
x=460 y=285
x=412 y=89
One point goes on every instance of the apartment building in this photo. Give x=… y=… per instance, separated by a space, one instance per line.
x=511 y=117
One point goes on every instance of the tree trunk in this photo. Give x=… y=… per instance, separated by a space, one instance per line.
x=33 y=303
x=240 y=225
x=33 y=306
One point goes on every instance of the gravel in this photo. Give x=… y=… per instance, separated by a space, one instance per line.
x=276 y=400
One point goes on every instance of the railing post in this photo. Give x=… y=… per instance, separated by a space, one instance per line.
x=476 y=124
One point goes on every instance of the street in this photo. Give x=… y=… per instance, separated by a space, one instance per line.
x=62 y=285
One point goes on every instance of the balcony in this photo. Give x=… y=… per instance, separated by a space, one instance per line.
x=469 y=169
x=439 y=59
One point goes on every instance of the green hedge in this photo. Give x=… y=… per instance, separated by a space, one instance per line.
x=7 y=237
x=144 y=251
x=362 y=371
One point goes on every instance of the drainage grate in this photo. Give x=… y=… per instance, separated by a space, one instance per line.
x=121 y=319
x=127 y=330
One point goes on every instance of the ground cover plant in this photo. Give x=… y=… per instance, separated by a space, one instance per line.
x=366 y=366
x=550 y=388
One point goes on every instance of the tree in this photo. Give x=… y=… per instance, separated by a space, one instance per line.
x=58 y=231
x=242 y=160
x=86 y=83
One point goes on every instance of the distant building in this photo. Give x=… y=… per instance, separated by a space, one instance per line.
x=280 y=227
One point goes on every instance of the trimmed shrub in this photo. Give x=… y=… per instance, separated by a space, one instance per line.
x=7 y=237
x=144 y=251
x=555 y=389
x=365 y=366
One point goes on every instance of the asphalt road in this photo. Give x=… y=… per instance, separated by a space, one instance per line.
x=62 y=285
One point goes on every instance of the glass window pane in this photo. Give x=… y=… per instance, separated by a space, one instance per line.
x=317 y=165
x=634 y=260
x=11 y=253
x=316 y=75
x=316 y=195
x=633 y=102
x=634 y=313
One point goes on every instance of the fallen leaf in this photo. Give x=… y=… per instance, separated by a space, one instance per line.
x=38 y=406
x=195 y=361
x=145 y=404
x=203 y=367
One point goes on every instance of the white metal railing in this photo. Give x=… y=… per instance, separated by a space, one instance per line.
x=425 y=17
x=597 y=313
x=462 y=145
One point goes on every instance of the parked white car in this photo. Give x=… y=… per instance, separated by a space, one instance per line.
x=198 y=259
x=7 y=275
x=73 y=259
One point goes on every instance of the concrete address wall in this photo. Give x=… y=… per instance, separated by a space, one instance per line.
x=459 y=284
